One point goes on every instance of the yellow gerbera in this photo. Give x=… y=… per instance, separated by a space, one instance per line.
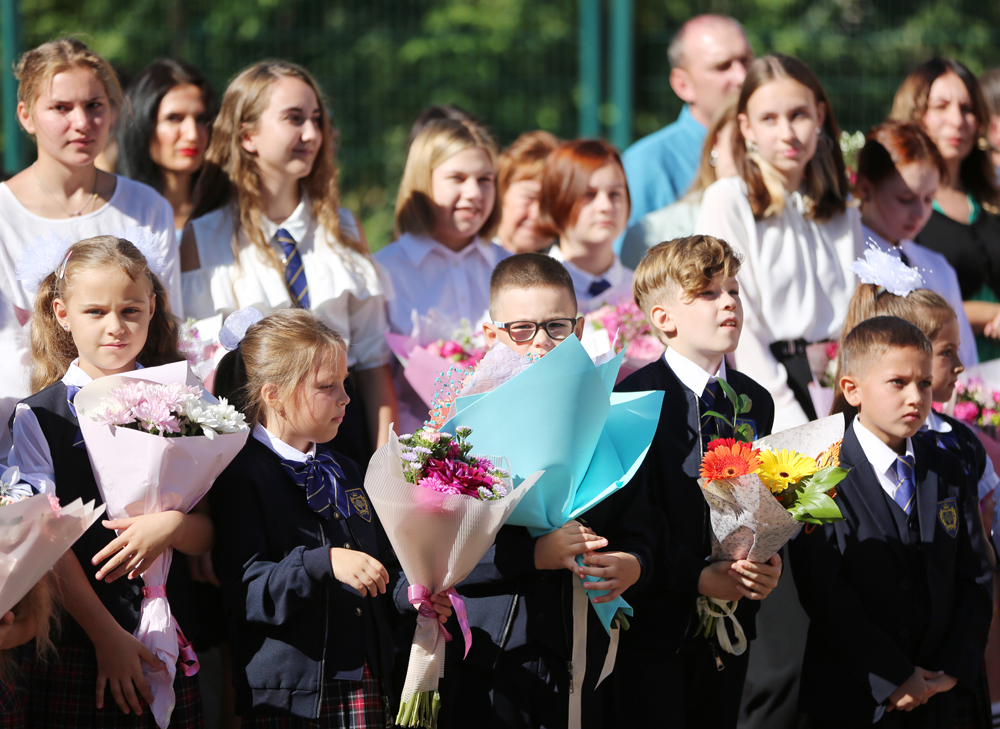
x=780 y=469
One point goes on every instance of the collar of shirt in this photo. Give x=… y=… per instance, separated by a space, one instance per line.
x=686 y=118
x=418 y=247
x=881 y=243
x=691 y=375
x=297 y=224
x=76 y=377
x=616 y=274
x=280 y=447
x=936 y=424
x=881 y=456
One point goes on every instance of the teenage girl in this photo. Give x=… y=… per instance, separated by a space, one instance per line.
x=302 y=573
x=585 y=203
x=268 y=231
x=101 y=313
x=899 y=170
x=786 y=211
x=442 y=258
x=68 y=100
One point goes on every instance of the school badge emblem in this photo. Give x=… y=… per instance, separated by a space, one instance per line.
x=360 y=503
x=947 y=512
x=753 y=426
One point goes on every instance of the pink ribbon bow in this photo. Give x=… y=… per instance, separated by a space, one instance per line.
x=420 y=596
x=188 y=658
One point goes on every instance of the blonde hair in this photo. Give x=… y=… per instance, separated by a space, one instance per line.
x=706 y=170
x=685 y=266
x=231 y=175
x=36 y=68
x=52 y=347
x=825 y=179
x=282 y=350
x=437 y=142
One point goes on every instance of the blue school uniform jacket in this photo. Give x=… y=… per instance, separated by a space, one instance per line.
x=667 y=484
x=886 y=592
x=291 y=623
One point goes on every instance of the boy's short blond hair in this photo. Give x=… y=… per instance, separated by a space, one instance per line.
x=683 y=266
x=874 y=338
x=528 y=271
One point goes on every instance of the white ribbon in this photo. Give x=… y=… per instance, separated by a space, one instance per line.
x=579 y=655
x=726 y=609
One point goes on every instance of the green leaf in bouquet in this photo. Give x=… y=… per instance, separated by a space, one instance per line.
x=824 y=479
x=744 y=432
x=620 y=620
x=745 y=404
x=730 y=393
x=815 y=508
x=714 y=414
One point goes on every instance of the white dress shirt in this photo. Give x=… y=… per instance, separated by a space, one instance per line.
x=796 y=280
x=422 y=274
x=617 y=275
x=691 y=375
x=882 y=457
x=344 y=287
x=280 y=448
x=939 y=277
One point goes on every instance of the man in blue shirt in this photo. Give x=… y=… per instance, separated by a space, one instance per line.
x=708 y=57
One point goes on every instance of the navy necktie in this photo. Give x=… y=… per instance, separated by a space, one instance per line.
x=322 y=480
x=709 y=424
x=295 y=274
x=599 y=286
x=905 y=488
x=71 y=391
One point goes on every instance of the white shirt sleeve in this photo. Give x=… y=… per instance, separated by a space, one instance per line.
x=368 y=328
x=163 y=228
x=989 y=480
x=30 y=452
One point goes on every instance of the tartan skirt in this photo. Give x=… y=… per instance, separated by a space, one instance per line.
x=973 y=709
x=345 y=705
x=61 y=692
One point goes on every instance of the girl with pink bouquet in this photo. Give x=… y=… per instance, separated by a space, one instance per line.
x=99 y=310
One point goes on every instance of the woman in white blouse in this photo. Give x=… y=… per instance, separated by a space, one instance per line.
x=788 y=214
x=69 y=99
x=266 y=214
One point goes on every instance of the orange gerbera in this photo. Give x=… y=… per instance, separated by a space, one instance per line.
x=727 y=462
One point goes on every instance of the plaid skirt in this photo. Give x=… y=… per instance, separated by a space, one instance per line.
x=973 y=709
x=62 y=692
x=345 y=705
x=12 y=697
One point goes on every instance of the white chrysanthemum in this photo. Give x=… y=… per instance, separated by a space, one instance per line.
x=885 y=270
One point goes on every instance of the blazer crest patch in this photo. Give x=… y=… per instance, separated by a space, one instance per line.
x=947 y=514
x=360 y=503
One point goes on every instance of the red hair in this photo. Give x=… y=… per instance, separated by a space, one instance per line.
x=566 y=179
x=893 y=144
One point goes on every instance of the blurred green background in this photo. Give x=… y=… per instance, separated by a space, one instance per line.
x=514 y=63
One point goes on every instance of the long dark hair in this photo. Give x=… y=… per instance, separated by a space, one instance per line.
x=142 y=108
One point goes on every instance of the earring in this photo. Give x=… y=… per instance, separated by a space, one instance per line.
x=714 y=159
x=752 y=148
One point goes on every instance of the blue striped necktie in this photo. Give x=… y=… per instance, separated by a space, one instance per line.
x=905 y=488
x=709 y=424
x=295 y=274
x=322 y=480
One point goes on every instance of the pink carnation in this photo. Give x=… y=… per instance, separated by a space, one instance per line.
x=434 y=348
x=451 y=349
x=967 y=412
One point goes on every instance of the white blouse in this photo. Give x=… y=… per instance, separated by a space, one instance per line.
x=421 y=274
x=939 y=277
x=344 y=287
x=796 y=280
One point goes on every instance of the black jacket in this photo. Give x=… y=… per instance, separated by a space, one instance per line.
x=291 y=623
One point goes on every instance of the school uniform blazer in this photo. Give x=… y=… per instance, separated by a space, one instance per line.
x=291 y=622
x=879 y=607
x=667 y=483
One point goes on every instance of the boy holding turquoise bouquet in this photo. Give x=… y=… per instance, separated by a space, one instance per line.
x=688 y=292
x=519 y=672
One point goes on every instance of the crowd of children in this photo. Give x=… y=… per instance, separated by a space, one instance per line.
x=897 y=596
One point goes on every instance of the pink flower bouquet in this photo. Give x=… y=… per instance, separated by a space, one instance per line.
x=441 y=507
x=157 y=442
x=978 y=405
x=622 y=326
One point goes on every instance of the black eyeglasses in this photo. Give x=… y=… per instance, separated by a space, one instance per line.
x=525 y=331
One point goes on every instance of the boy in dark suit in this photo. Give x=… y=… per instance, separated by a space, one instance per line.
x=687 y=289
x=897 y=615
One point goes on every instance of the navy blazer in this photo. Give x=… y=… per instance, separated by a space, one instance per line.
x=291 y=622
x=859 y=583
x=667 y=483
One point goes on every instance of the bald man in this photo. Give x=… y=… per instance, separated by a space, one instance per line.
x=708 y=57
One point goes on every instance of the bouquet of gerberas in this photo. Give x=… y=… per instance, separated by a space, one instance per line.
x=759 y=494
x=622 y=326
x=978 y=405
x=157 y=442
x=441 y=507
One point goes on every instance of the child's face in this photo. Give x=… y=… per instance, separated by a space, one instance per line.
x=946 y=366
x=534 y=306
x=289 y=132
x=604 y=213
x=894 y=397
x=784 y=120
x=703 y=327
x=464 y=191
x=71 y=118
x=899 y=207
x=108 y=316
x=315 y=410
